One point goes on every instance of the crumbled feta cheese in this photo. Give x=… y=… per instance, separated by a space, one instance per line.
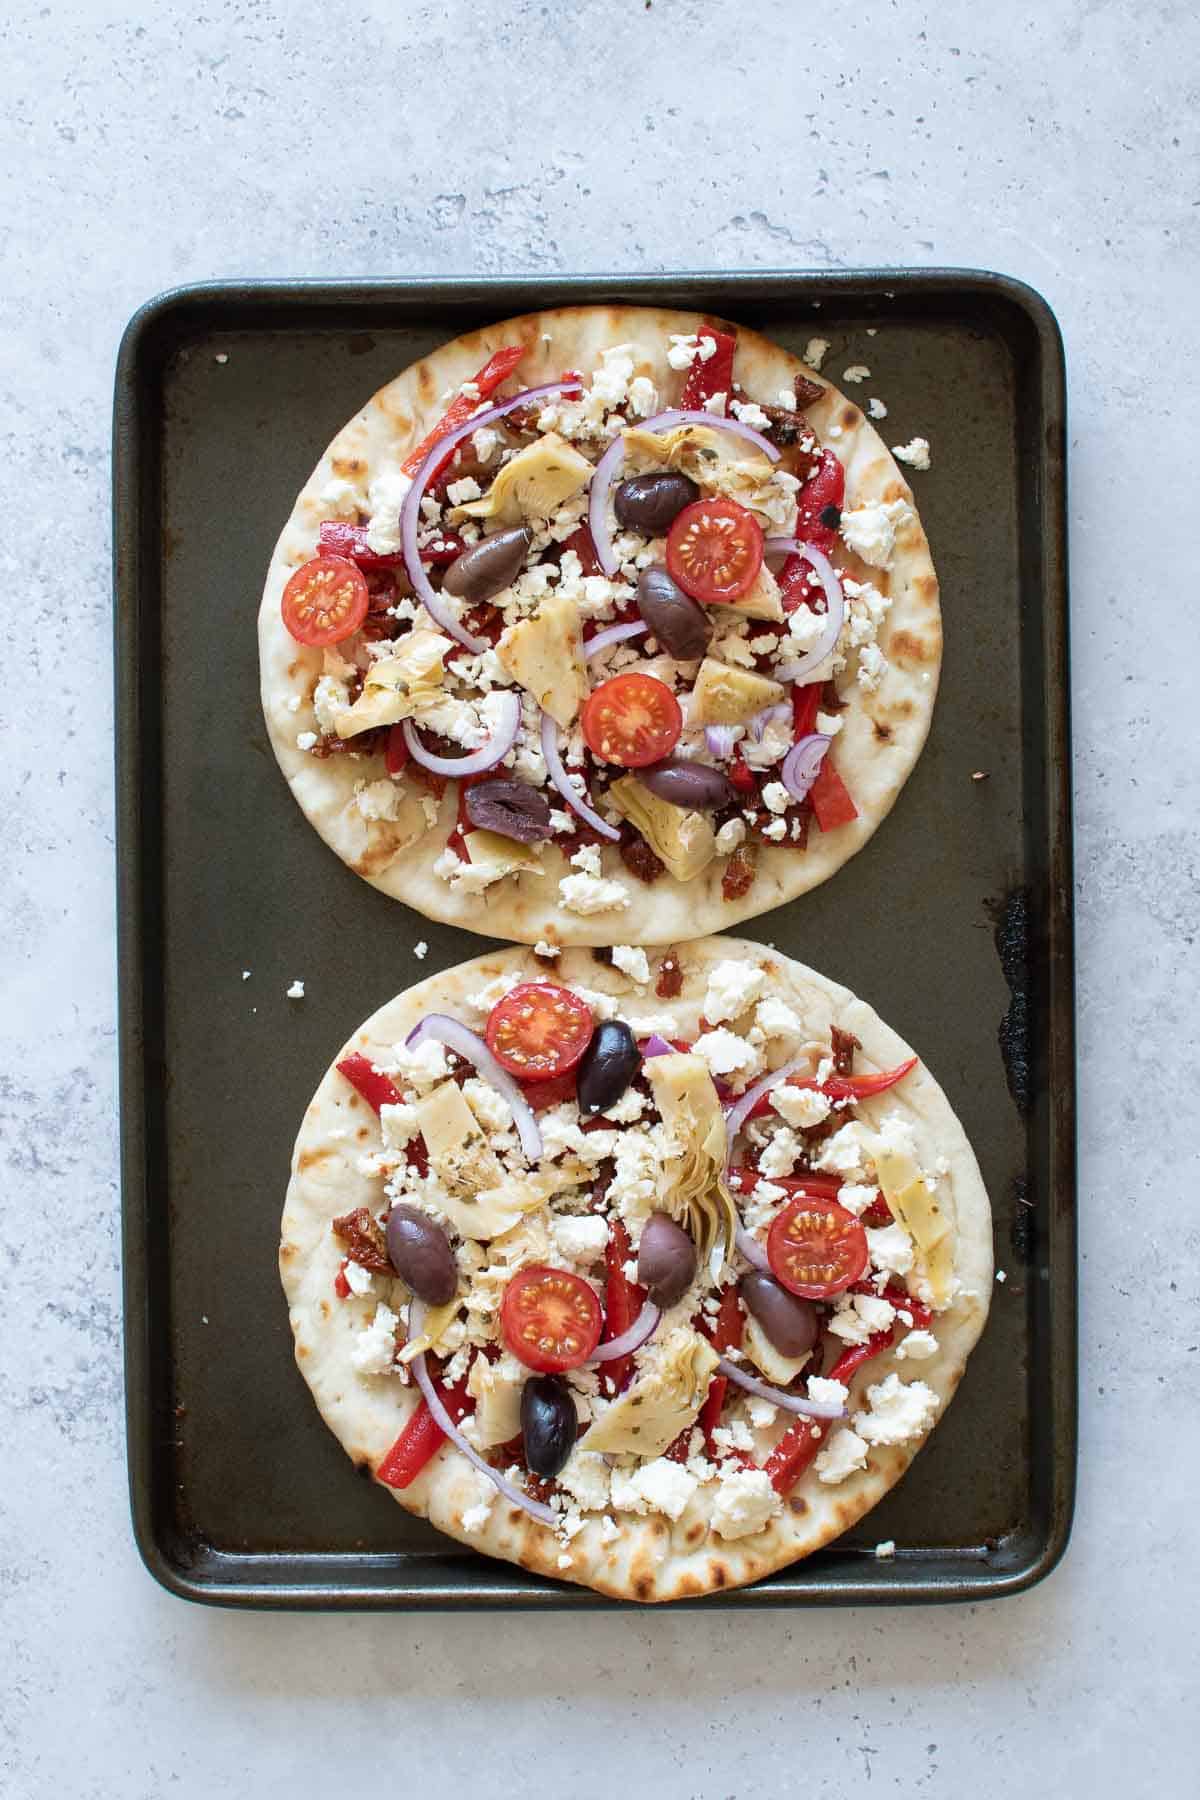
x=633 y=1190
x=306 y=739
x=727 y=1054
x=731 y=834
x=484 y=442
x=773 y=745
x=843 y=1454
x=330 y=699
x=776 y=831
x=585 y=1477
x=829 y=724
x=733 y=987
x=776 y=797
x=459 y=492
x=873 y=665
x=890 y=1249
x=762 y=1414
x=684 y=349
x=899 y=1411
x=579 y=1239
x=779 y=1156
x=870 y=530
x=373 y=1351
x=294 y=703
x=420 y=950
x=815 y=351
x=663 y=1486
x=643 y=397
x=845 y=1152
x=715 y=404
x=631 y=961
x=359 y=1280
x=610 y=1531
x=801 y=1107
x=915 y=453
x=399 y=1124
x=628 y=1109
x=378 y=800
x=245 y=974
x=422 y=1065
x=296 y=991
x=749 y=414
x=746 y=1502
x=548 y=952
x=490 y=1108
x=916 y=1346
x=827 y=1393
x=1001 y=1276
x=786 y=397
x=586 y=894
x=876 y=408
x=856 y=372
x=856 y=1196
x=734 y=1436
x=885 y=1549
x=385 y=499
x=775 y=1019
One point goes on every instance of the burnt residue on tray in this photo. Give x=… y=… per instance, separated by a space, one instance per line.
x=1023 y=1231
x=1010 y=918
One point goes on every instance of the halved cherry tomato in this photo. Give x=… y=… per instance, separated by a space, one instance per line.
x=551 y=1319
x=632 y=720
x=816 y=1248
x=325 y=601
x=539 y=1031
x=715 y=550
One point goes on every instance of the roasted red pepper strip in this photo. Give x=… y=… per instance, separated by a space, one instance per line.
x=396 y=753
x=843 y=1087
x=827 y=487
x=806 y=704
x=495 y=370
x=742 y=777
x=819 y=1187
x=799 y=1445
x=376 y=1089
x=830 y=798
x=580 y=541
x=341 y=1286
x=422 y=1436
x=704 y=379
x=340 y=538
x=623 y=1301
x=723 y=1333
x=901 y=1299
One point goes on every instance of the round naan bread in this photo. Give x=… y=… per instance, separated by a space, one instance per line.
x=884 y=724
x=638 y=1556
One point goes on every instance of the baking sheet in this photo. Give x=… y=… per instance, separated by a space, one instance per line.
x=954 y=922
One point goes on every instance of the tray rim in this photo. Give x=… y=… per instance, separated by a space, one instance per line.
x=967 y=1578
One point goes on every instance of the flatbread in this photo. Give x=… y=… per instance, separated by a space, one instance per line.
x=651 y=1558
x=882 y=734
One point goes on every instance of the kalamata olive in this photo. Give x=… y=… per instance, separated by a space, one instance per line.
x=512 y=808
x=488 y=566
x=607 y=1067
x=666 y=1260
x=689 y=784
x=789 y=1323
x=548 y=1424
x=421 y=1255
x=681 y=625
x=649 y=503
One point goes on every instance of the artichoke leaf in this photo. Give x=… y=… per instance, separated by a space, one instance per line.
x=400 y=686
x=663 y=1400
x=782 y=1370
x=694 y=1177
x=500 y=855
x=918 y=1211
x=436 y=1320
x=685 y=841
x=726 y=696
x=762 y=601
x=544 y=653
x=456 y=1142
x=497 y=1389
x=533 y=485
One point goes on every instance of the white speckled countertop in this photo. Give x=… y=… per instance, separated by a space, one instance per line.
x=256 y=138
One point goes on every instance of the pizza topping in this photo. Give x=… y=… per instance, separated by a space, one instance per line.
x=441 y=1029
x=816 y=1248
x=680 y=623
x=789 y=1322
x=548 y=1424
x=607 y=1067
x=715 y=551
x=632 y=720
x=533 y=485
x=488 y=567
x=364 y=1239
x=551 y=1319
x=544 y=654
x=662 y=1401
x=802 y=764
x=511 y=808
x=730 y=696
x=539 y=1031
x=650 y=503
x=666 y=1260
x=421 y=1255
x=569 y=789
x=683 y=841
x=325 y=601
x=507 y=713
x=694 y=785
x=835 y=606
x=793 y=1403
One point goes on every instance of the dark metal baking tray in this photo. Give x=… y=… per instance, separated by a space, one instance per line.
x=955 y=921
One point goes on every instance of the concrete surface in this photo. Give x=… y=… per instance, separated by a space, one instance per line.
x=148 y=146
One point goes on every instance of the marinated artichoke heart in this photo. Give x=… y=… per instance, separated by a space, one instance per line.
x=695 y=1192
x=917 y=1210
x=662 y=1402
x=500 y=856
x=726 y=696
x=763 y=601
x=436 y=1320
x=780 y=1369
x=685 y=841
x=456 y=1142
x=533 y=485
x=545 y=654
x=400 y=686
x=497 y=1390
x=716 y=460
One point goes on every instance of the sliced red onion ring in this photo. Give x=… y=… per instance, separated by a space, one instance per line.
x=721 y=740
x=606 y=470
x=657 y=1046
x=808 y=1409
x=758 y=724
x=562 y=781
x=752 y=1250
x=410 y=512
x=835 y=606
x=639 y=1333
x=802 y=764
x=440 y=1028
x=486 y=757
x=736 y=1117
x=615 y=634
x=545 y=1515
